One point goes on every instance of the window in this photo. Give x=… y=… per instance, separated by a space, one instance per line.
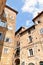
x=1 y=36
x=41 y=30
x=30 y=38
x=38 y=49
x=18 y=43
x=41 y=62
x=18 y=51
x=5 y=14
x=38 y=21
x=23 y=63
x=31 y=64
x=8 y=40
x=33 y=28
x=11 y=17
x=30 y=52
x=5 y=50
x=3 y=24
x=29 y=31
x=10 y=27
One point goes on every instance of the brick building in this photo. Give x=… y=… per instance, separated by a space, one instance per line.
x=7 y=33
x=23 y=47
x=17 y=46
x=31 y=42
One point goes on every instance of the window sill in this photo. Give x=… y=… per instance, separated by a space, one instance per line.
x=30 y=43
x=30 y=56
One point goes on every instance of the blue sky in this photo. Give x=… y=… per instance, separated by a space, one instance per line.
x=27 y=10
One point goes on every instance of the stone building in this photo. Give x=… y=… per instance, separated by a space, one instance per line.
x=2 y=5
x=17 y=46
x=23 y=47
x=31 y=42
x=7 y=35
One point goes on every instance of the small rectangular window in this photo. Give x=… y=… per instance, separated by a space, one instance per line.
x=18 y=51
x=23 y=63
x=29 y=32
x=30 y=38
x=5 y=14
x=3 y=24
x=38 y=21
x=1 y=36
x=18 y=43
x=41 y=62
x=5 y=50
x=8 y=40
x=31 y=52
x=10 y=27
x=11 y=17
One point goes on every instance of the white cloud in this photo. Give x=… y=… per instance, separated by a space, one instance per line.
x=40 y=2
x=30 y=6
x=28 y=23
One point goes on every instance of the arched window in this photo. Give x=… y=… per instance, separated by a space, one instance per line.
x=31 y=64
x=41 y=62
x=23 y=63
x=17 y=61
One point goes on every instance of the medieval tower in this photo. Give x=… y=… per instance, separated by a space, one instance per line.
x=7 y=33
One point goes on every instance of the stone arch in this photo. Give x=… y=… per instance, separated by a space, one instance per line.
x=31 y=64
x=17 y=62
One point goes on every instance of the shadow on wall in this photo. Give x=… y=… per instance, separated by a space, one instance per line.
x=3 y=30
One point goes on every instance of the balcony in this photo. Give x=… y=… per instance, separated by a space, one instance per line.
x=17 y=54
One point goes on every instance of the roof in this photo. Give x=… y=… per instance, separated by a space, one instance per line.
x=19 y=30
x=27 y=29
x=37 y=16
x=11 y=9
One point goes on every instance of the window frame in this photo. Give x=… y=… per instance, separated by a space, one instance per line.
x=30 y=52
x=23 y=63
x=10 y=40
x=41 y=62
x=5 y=50
x=31 y=64
x=3 y=24
x=30 y=39
x=1 y=38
